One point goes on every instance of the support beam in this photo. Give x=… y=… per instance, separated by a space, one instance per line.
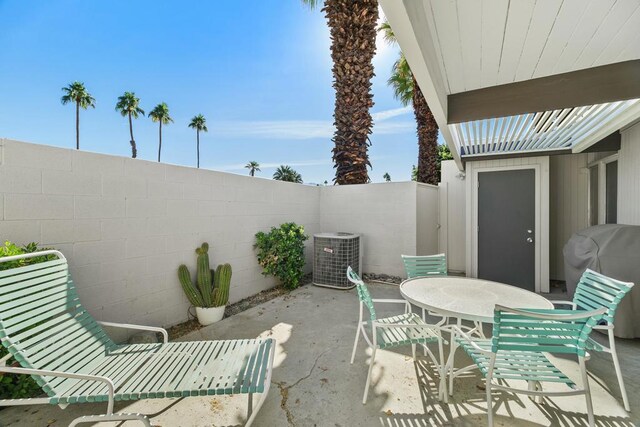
x=515 y=154
x=611 y=142
x=607 y=83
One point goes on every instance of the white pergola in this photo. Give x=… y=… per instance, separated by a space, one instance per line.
x=516 y=77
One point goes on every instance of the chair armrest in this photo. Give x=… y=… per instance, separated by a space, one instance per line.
x=561 y=302
x=163 y=331
x=603 y=327
x=47 y=373
x=457 y=331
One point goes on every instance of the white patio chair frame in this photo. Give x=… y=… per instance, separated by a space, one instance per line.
x=376 y=324
x=534 y=387
x=109 y=415
x=611 y=306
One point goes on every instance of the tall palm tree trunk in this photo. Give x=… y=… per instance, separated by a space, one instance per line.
x=427 y=138
x=159 y=140
x=353 y=45
x=77 y=125
x=198 y=146
x=134 y=151
x=252 y=172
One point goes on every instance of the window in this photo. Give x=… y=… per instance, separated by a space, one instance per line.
x=603 y=191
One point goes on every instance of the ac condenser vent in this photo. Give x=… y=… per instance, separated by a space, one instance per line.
x=332 y=254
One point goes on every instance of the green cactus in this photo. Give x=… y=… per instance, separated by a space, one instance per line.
x=222 y=282
x=192 y=293
x=212 y=287
x=205 y=284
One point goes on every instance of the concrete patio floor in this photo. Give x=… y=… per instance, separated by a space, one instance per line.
x=314 y=385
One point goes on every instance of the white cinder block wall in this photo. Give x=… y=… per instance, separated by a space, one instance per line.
x=126 y=224
x=384 y=213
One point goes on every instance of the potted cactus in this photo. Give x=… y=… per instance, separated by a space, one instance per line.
x=210 y=294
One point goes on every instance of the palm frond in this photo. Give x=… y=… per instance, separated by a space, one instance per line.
x=129 y=104
x=388 y=34
x=76 y=92
x=160 y=113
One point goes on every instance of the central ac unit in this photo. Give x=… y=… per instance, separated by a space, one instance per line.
x=332 y=254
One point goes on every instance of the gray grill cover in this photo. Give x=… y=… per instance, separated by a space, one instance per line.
x=613 y=250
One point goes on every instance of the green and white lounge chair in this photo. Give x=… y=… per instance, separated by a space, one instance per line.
x=404 y=329
x=54 y=339
x=517 y=351
x=595 y=291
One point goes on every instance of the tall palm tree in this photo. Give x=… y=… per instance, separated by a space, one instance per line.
x=76 y=92
x=253 y=167
x=287 y=173
x=352 y=25
x=161 y=115
x=129 y=105
x=406 y=90
x=199 y=123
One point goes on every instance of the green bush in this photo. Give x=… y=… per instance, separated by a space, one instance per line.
x=281 y=253
x=18 y=386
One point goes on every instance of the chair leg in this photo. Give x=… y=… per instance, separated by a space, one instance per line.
x=249 y=405
x=616 y=365
x=366 y=386
x=424 y=319
x=355 y=344
x=451 y=361
x=442 y=370
x=587 y=391
x=489 y=403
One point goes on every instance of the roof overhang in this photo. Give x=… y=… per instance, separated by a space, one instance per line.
x=509 y=78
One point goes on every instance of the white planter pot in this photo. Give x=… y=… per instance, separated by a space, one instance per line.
x=209 y=315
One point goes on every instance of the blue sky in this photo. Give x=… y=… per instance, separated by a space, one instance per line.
x=260 y=71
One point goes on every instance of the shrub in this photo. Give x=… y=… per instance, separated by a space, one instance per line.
x=18 y=386
x=281 y=253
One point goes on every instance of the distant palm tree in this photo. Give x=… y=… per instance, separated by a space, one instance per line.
x=387 y=177
x=76 y=92
x=286 y=173
x=352 y=26
x=129 y=105
x=199 y=123
x=406 y=89
x=160 y=114
x=253 y=167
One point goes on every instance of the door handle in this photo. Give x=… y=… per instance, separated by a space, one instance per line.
x=529 y=240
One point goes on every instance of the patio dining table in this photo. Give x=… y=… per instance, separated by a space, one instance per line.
x=466 y=299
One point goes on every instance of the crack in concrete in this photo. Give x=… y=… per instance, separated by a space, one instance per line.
x=284 y=390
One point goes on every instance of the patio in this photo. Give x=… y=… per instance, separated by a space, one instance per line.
x=314 y=384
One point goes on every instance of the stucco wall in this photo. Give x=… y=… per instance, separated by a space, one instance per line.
x=427 y=209
x=126 y=224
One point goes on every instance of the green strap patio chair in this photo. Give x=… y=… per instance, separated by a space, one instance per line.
x=54 y=339
x=425 y=265
x=404 y=329
x=595 y=291
x=518 y=350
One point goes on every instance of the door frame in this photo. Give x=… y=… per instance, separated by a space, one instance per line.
x=540 y=165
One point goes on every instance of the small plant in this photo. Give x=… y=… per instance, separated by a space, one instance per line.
x=281 y=253
x=212 y=287
x=18 y=386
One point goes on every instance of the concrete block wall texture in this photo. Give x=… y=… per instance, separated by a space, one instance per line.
x=126 y=224
x=385 y=215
